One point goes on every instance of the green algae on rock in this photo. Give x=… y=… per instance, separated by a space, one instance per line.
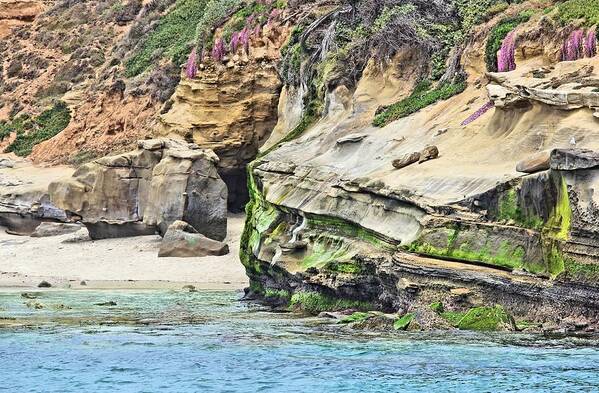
x=404 y=322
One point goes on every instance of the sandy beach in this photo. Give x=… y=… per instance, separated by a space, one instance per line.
x=116 y=264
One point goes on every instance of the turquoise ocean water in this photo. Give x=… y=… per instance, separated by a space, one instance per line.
x=162 y=341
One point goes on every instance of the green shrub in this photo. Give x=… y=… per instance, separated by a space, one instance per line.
x=214 y=13
x=422 y=96
x=170 y=39
x=473 y=12
x=30 y=132
x=587 y=10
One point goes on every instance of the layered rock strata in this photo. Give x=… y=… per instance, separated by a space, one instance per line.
x=465 y=230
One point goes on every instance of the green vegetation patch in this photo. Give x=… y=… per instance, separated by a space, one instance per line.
x=422 y=96
x=453 y=317
x=348 y=229
x=506 y=255
x=478 y=318
x=349 y=267
x=484 y=319
x=509 y=210
x=315 y=302
x=561 y=219
x=170 y=39
x=356 y=317
x=31 y=131
x=437 y=307
x=403 y=322
x=498 y=34
x=276 y=293
x=325 y=250
x=586 y=10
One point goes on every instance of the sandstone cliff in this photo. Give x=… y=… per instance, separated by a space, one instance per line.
x=331 y=216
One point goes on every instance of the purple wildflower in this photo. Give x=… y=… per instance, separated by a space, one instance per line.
x=218 y=51
x=506 y=59
x=482 y=110
x=572 y=47
x=244 y=38
x=191 y=68
x=274 y=15
x=234 y=42
x=590 y=43
x=257 y=30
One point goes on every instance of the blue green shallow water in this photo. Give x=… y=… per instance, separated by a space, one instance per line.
x=209 y=342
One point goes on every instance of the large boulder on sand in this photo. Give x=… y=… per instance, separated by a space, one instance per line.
x=183 y=241
x=186 y=186
x=139 y=192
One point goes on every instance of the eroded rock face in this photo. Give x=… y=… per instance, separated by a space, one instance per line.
x=230 y=111
x=186 y=186
x=48 y=229
x=24 y=199
x=183 y=241
x=402 y=239
x=139 y=192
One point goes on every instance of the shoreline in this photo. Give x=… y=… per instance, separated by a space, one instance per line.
x=125 y=263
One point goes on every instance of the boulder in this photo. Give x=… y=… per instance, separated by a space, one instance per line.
x=536 y=163
x=405 y=160
x=186 y=186
x=6 y=163
x=183 y=241
x=354 y=138
x=48 y=229
x=428 y=153
x=140 y=192
x=573 y=159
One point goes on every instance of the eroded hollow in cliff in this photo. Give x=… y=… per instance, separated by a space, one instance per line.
x=231 y=111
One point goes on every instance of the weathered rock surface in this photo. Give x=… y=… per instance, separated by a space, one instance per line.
x=536 y=163
x=24 y=199
x=231 y=109
x=574 y=159
x=529 y=243
x=48 y=229
x=183 y=241
x=405 y=160
x=186 y=186
x=139 y=192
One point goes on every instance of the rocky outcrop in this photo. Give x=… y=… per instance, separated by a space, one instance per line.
x=186 y=186
x=468 y=229
x=147 y=190
x=24 y=198
x=183 y=241
x=231 y=108
x=48 y=229
x=228 y=110
x=14 y=13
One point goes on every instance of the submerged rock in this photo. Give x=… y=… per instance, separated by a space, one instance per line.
x=183 y=241
x=44 y=284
